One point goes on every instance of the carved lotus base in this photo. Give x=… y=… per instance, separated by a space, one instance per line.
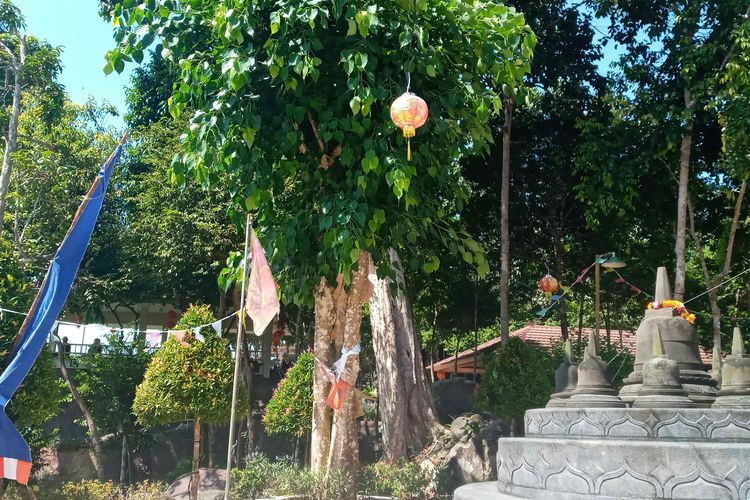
x=574 y=454
x=604 y=468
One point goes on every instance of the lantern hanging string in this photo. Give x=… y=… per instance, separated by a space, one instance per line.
x=579 y=279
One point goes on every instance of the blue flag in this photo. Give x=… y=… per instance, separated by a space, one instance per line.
x=15 y=456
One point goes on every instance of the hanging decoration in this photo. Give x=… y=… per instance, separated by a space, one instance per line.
x=409 y=112
x=633 y=288
x=679 y=309
x=549 y=285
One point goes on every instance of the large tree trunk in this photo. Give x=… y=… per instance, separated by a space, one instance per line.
x=404 y=400
x=338 y=315
x=711 y=282
x=17 y=66
x=504 y=229
x=196 y=475
x=96 y=452
x=682 y=193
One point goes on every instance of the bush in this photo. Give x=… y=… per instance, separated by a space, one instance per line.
x=147 y=491
x=91 y=490
x=254 y=479
x=401 y=480
x=261 y=477
x=98 y=490
x=290 y=409
x=517 y=377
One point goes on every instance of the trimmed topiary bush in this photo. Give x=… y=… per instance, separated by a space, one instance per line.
x=517 y=377
x=290 y=409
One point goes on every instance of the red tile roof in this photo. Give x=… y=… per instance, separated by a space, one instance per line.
x=545 y=336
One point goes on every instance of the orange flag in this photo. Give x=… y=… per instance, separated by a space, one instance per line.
x=338 y=392
x=262 y=303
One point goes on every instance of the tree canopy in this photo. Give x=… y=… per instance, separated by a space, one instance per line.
x=289 y=110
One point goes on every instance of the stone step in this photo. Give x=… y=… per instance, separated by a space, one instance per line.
x=695 y=424
x=567 y=469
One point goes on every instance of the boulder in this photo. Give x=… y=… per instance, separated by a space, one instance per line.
x=467 y=451
x=211 y=485
x=453 y=397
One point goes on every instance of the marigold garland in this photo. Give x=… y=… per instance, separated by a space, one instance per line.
x=678 y=306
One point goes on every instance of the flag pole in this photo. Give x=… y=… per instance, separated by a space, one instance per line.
x=237 y=356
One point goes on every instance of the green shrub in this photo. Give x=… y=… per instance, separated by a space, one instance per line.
x=290 y=409
x=91 y=490
x=254 y=479
x=262 y=477
x=403 y=480
x=146 y=490
x=98 y=490
x=517 y=377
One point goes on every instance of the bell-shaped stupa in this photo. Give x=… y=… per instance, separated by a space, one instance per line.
x=566 y=379
x=661 y=386
x=594 y=388
x=735 y=376
x=680 y=342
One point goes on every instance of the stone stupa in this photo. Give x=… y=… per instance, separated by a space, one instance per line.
x=661 y=448
x=680 y=345
x=566 y=379
x=661 y=386
x=735 y=376
x=594 y=389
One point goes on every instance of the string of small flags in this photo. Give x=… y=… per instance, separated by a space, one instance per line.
x=153 y=336
x=556 y=298
x=633 y=288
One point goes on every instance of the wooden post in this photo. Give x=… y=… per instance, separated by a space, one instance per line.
x=597 y=272
x=195 y=477
x=237 y=358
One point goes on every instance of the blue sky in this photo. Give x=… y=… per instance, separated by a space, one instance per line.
x=85 y=37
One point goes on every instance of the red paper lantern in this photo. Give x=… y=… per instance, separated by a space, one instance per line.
x=548 y=285
x=409 y=112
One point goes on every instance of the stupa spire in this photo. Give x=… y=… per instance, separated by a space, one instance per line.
x=662 y=291
x=738 y=346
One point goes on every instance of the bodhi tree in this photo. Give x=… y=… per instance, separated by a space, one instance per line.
x=289 y=105
x=188 y=379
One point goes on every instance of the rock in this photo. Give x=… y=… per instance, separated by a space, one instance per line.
x=466 y=462
x=469 y=454
x=453 y=397
x=465 y=424
x=211 y=485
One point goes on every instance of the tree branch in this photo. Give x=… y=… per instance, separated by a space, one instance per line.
x=13 y=60
x=733 y=229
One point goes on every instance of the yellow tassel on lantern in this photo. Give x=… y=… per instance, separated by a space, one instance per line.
x=409 y=132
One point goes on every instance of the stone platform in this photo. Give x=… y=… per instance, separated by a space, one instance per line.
x=573 y=454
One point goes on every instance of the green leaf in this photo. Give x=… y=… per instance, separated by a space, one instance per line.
x=248 y=134
x=431 y=70
x=404 y=38
x=352 y=28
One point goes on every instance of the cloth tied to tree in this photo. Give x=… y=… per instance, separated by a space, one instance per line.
x=340 y=365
